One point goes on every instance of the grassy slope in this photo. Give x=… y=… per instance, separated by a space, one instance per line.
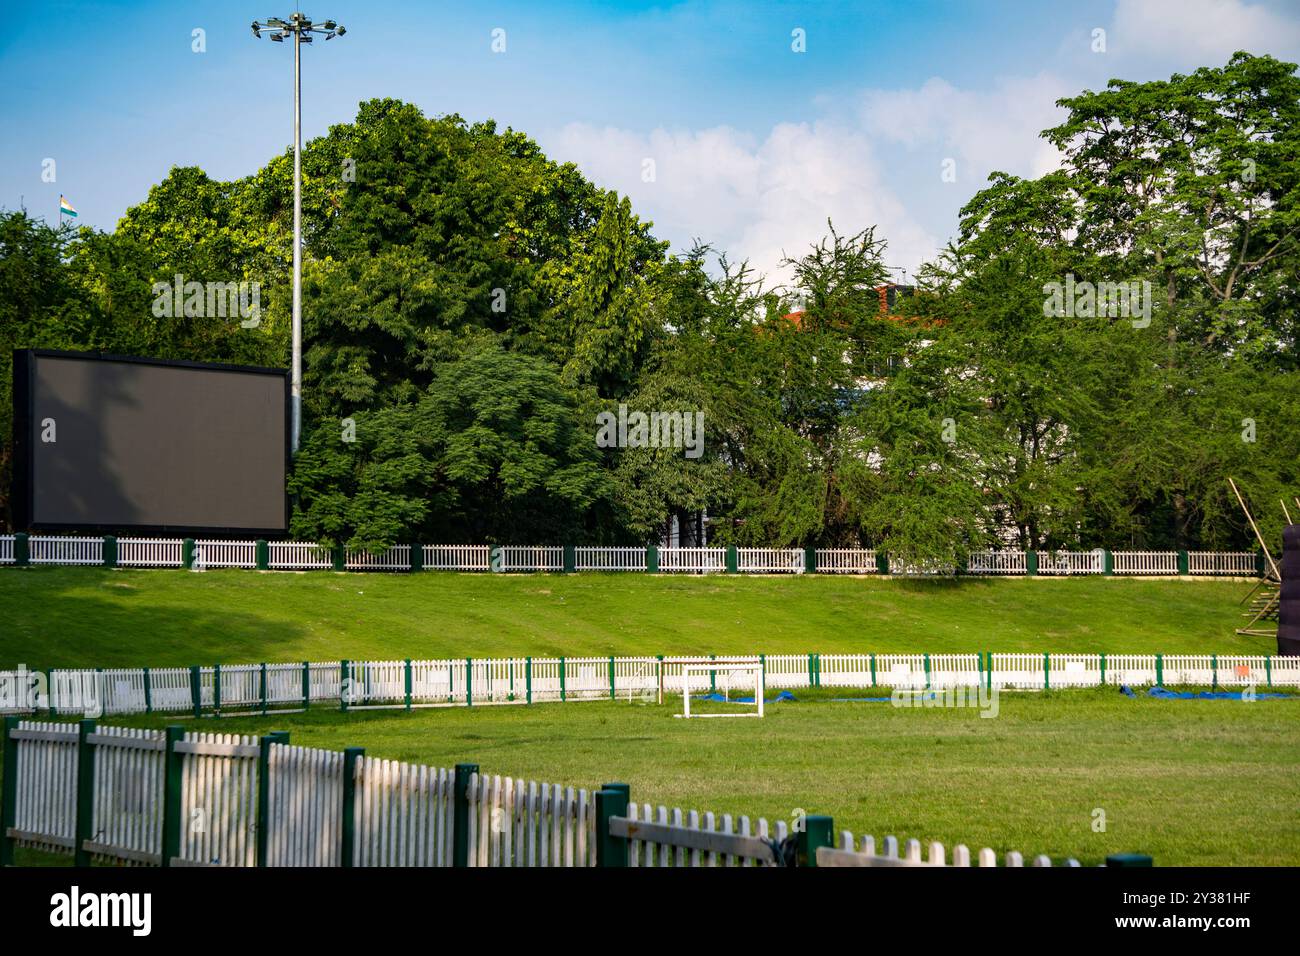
x=1191 y=782
x=51 y=617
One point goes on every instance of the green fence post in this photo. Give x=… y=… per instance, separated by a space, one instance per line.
x=408 y=684
x=22 y=549
x=528 y=680
x=460 y=814
x=988 y=675
x=611 y=677
x=347 y=846
x=1214 y=671
x=1268 y=670
x=496 y=560
x=261 y=688
x=216 y=688
x=173 y=771
x=1160 y=669
x=563 y=692
x=817 y=831
x=148 y=693
x=1184 y=563
x=812 y=680
x=570 y=558
x=733 y=559
x=264 y=791
x=345 y=681
x=1103 y=669
x=417 y=556
x=713 y=675
x=263 y=551
x=1031 y=563
x=1128 y=859
x=109 y=551
x=611 y=851
x=469 y=682
x=306 y=685
x=196 y=690
x=9 y=795
x=882 y=562
x=652 y=559
x=762 y=671
x=187 y=554
x=927 y=671
x=1047 y=679
x=1107 y=563
x=85 y=793
x=873 y=670
x=810 y=560
x=339 y=558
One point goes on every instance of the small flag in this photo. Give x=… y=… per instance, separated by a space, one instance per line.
x=65 y=207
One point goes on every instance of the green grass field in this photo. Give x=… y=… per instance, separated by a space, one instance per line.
x=1190 y=782
x=64 y=617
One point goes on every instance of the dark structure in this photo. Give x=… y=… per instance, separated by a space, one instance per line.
x=108 y=443
x=1288 y=618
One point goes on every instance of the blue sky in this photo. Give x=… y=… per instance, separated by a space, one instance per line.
x=754 y=145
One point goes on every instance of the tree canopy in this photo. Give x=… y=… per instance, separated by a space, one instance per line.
x=471 y=307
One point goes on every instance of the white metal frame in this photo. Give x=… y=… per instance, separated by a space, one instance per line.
x=689 y=667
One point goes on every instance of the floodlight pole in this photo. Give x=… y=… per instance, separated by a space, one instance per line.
x=302 y=29
x=295 y=382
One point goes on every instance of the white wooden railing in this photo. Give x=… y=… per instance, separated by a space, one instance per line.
x=458 y=681
x=46 y=549
x=770 y=560
x=1240 y=563
x=396 y=558
x=997 y=562
x=866 y=853
x=150 y=552
x=298 y=556
x=609 y=559
x=693 y=560
x=306 y=555
x=226 y=554
x=1146 y=562
x=846 y=561
x=457 y=557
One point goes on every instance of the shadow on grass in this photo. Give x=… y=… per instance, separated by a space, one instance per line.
x=89 y=630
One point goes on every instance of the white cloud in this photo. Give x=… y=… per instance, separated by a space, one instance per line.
x=1204 y=31
x=879 y=163
x=753 y=200
x=993 y=129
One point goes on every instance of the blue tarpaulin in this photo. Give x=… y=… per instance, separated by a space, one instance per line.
x=784 y=695
x=1164 y=693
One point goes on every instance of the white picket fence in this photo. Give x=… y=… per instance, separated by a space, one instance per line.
x=396 y=558
x=846 y=561
x=516 y=558
x=770 y=560
x=225 y=554
x=521 y=680
x=609 y=559
x=298 y=556
x=46 y=549
x=150 y=552
x=1146 y=562
x=997 y=562
x=693 y=560
x=889 y=853
x=457 y=557
x=1239 y=563
x=306 y=556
